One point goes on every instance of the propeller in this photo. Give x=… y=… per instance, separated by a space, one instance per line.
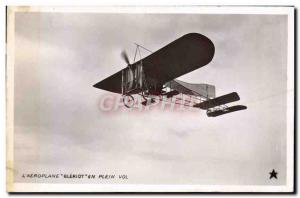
x=125 y=57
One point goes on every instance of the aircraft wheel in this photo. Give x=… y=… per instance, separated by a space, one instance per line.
x=128 y=101
x=145 y=94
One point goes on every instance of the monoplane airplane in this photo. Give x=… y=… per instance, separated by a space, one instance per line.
x=155 y=75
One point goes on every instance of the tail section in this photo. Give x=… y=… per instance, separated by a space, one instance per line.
x=225 y=110
x=210 y=103
x=216 y=106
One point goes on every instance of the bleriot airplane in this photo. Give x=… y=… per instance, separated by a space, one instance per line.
x=155 y=75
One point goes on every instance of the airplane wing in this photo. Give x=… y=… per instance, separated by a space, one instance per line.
x=112 y=83
x=181 y=56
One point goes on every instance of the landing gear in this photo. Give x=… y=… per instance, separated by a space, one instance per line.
x=128 y=101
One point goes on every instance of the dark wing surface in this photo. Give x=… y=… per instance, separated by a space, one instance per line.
x=181 y=56
x=113 y=83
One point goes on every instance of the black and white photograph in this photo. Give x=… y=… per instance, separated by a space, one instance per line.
x=150 y=99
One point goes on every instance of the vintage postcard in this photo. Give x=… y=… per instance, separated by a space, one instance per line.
x=150 y=99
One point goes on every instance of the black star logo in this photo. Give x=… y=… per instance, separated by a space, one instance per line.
x=273 y=174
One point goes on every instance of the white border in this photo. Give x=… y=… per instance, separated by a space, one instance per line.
x=290 y=102
x=33 y=187
x=161 y=9
x=27 y=187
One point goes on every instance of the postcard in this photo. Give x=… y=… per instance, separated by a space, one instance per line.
x=150 y=99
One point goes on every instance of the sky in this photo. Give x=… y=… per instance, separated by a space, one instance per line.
x=59 y=127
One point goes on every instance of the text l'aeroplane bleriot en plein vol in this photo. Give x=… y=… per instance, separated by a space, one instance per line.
x=155 y=75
